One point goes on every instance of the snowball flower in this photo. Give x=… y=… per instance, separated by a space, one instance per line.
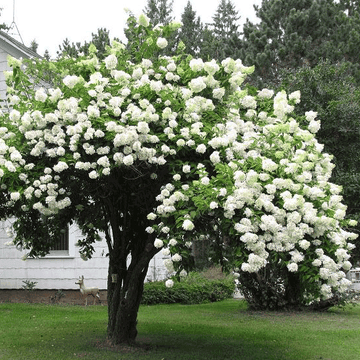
x=201 y=149
x=304 y=244
x=161 y=43
x=295 y=96
x=310 y=115
x=292 y=267
x=218 y=93
x=176 y=258
x=128 y=160
x=60 y=166
x=196 y=64
x=111 y=62
x=211 y=67
x=188 y=225
x=214 y=205
x=15 y=196
x=158 y=243
x=197 y=85
x=71 y=80
x=186 y=169
x=169 y=283
x=205 y=180
x=143 y=20
x=314 y=126
x=266 y=94
x=40 y=95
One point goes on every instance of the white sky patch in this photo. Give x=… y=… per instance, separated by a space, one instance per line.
x=50 y=22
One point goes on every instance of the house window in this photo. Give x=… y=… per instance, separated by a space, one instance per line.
x=61 y=248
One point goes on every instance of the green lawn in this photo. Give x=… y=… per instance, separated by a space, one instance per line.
x=224 y=330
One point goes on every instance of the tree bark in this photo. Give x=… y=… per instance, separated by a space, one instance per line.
x=125 y=289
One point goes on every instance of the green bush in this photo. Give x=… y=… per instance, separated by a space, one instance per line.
x=193 y=289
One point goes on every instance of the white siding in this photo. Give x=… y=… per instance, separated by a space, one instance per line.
x=3 y=67
x=61 y=272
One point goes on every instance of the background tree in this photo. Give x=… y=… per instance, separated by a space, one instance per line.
x=3 y=26
x=293 y=33
x=47 y=55
x=208 y=45
x=34 y=45
x=101 y=40
x=190 y=32
x=225 y=28
x=159 y=11
x=331 y=91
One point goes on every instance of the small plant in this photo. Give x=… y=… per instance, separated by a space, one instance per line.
x=58 y=295
x=29 y=285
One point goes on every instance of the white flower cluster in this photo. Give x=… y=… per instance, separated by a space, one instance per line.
x=229 y=153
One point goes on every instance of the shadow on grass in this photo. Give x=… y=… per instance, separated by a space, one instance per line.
x=211 y=331
x=172 y=343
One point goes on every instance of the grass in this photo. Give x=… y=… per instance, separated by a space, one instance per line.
x=223 y=330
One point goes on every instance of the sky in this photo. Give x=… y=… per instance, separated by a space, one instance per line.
x=50 y=22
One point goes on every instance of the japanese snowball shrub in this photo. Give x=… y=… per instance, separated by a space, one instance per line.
x=157 y=152
x=265 y=190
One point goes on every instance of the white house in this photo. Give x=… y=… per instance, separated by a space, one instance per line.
x=10 y=46
x=62 y=267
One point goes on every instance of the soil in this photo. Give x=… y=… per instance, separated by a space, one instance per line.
x=66 y=297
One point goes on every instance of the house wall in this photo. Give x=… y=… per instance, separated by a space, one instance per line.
x=61 y=271
x=5 y=50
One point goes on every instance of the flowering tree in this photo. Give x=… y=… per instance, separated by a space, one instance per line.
x=156 y=152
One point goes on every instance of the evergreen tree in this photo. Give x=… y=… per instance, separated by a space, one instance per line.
x=292 y=33
x=190 y=32
x=225 y=29
x=159 y=11
x=3 y=26
x=331 y=91
x=209 y=45
x=47 y=55
x=101 y=40
x=34 y=45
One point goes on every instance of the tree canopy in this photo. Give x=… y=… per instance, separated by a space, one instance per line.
x=293 y=33
x=159 y=11
x=155 y=152
x=191 y=30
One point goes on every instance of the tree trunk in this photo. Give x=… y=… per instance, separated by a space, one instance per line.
x=125 y=289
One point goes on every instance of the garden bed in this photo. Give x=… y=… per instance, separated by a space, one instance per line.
x=71 y=297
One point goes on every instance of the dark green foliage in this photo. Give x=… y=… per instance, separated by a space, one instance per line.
x=34 y=45
x=221 y=38
x=332 y=91
x=272 y=288
x=190 y=32
x=292 y=33
x=100 y=39
x=194 y=289
x=159 y=11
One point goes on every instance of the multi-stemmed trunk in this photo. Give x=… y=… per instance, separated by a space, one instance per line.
x=125 y=289
x=125 y=205
x=130 y=250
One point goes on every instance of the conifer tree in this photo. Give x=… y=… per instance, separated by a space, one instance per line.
x=100 y=40
x=159 y=11
x=191 y=30
x=225 y=29
x=293 y=33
